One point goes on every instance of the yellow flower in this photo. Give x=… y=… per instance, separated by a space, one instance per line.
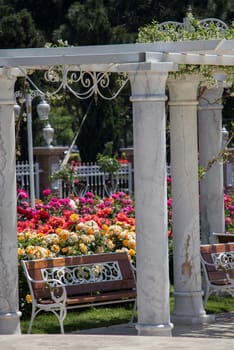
x=58 y=230
x=28 y=298
x=70 y=251
x=29 y=250
x=85 y=239
x=64 y=234
x=21 y=251
x=100 y=250
x=124 y=234
x=28 y=235
x=55 y=248
x=114 y=230
x=83 y=248
x=110 y=244
x=20 y=237
x=74 y=217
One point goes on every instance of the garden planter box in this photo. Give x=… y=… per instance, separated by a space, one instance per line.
x=224 y=237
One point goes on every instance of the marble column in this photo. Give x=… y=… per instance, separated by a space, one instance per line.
x=210 y=144
x=9 y=308
x=185 y=200
x=148 y=99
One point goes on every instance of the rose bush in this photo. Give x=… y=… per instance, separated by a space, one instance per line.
x=229 y=213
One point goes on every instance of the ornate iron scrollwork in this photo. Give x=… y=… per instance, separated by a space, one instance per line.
x=223 y=261
x=81 y=83
x=82 y=274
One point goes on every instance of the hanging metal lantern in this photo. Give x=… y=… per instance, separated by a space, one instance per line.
x=225 y=137
x=17 y=110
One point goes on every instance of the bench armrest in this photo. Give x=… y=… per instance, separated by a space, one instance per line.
x=57 y=290
x=133 y=270
x=205 y=262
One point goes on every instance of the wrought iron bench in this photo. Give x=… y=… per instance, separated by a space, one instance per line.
x=218 y=268
x=63 y=283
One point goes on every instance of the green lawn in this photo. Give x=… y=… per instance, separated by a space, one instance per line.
x=106 y=316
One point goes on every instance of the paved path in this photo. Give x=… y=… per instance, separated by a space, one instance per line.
x=223 y=327
x=214 y=336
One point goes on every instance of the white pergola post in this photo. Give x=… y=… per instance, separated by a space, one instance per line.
x=148 y=99
x=9 y=309
x=185 y=200
x=210 y=144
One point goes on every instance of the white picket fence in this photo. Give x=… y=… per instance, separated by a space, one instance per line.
x=96 y=181
x=23 y=177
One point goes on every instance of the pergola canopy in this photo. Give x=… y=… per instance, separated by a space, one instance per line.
x=211 y=52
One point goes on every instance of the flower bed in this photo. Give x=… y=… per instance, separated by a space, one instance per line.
x=83 y=225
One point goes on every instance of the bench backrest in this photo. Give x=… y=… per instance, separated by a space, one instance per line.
x=83 y=274
x=208 y=253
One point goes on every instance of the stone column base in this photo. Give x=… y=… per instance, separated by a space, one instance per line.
x=192 y=319
x=189 y=308
x=161 y=330
x=10 y=323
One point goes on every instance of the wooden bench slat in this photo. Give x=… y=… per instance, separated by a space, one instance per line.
x=85 y=299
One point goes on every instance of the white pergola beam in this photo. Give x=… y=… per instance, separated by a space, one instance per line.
x=48 y=60
x=106 y=54
x=200 y=59
x=160 y=46
x=225 y=47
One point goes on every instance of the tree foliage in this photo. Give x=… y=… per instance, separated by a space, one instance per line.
x=86 y=23
x=19 y=30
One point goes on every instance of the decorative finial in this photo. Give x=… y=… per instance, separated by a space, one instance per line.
x=189 y=10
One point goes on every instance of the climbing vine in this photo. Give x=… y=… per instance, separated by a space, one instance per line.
x=194 y=30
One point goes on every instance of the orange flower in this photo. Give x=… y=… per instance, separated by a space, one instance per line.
x=131 y=244
x=65 y=250
x=105 y=227
x=125 y=242
x=132 y=252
